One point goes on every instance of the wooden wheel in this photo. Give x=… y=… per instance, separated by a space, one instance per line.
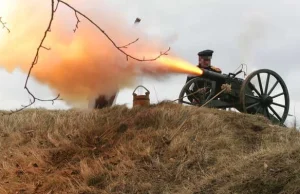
x=196 y=91
x=264 y=92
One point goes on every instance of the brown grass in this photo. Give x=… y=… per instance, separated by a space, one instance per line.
x=166 y=148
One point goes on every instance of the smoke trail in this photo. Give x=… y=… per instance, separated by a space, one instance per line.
x=254 y=31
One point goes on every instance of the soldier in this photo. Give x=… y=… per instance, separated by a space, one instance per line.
x=205 y=61
x=204 y=58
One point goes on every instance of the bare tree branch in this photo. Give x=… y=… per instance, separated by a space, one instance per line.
x=118 y=47
x=56 y=6
x=35 y=60
x=4 y=25
x=34 y=99
x=76 y=27
x=126 y=46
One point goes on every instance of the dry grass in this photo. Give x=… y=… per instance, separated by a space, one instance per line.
x=166 y=148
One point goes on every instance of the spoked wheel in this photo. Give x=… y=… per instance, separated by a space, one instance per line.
x=264 y=92
x=196 y=92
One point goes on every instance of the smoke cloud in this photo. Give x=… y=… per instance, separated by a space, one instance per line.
x=83 y=64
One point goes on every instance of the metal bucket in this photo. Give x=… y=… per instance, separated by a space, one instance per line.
x=141 y=100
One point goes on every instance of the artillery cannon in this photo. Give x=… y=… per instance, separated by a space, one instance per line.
x=252 y=95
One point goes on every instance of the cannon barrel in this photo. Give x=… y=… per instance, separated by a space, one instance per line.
x=211 y=75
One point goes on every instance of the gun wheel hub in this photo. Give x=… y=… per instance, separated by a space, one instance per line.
x=266 y=100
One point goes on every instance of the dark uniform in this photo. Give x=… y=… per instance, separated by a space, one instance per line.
x=204 y=54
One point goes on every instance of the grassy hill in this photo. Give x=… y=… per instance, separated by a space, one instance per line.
x=166 y=148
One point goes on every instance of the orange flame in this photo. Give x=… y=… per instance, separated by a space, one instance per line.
x=82 y=64
x=179 y=65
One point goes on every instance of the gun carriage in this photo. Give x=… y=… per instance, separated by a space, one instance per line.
x=252 y=95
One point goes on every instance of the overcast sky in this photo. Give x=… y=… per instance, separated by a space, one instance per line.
x=259 y=33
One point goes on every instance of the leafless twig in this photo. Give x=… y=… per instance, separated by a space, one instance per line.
x=126 y=46
x=35 y=61
x=77 y=21
x=118 y=47
x=4 y=25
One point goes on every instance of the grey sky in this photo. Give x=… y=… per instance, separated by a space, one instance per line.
x=261 y=34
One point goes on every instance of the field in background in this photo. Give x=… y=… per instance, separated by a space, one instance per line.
x=166 y=148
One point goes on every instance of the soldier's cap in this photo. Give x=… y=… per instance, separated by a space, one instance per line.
x=205 y=53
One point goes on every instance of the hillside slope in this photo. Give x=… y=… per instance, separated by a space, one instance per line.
x=166 y=148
